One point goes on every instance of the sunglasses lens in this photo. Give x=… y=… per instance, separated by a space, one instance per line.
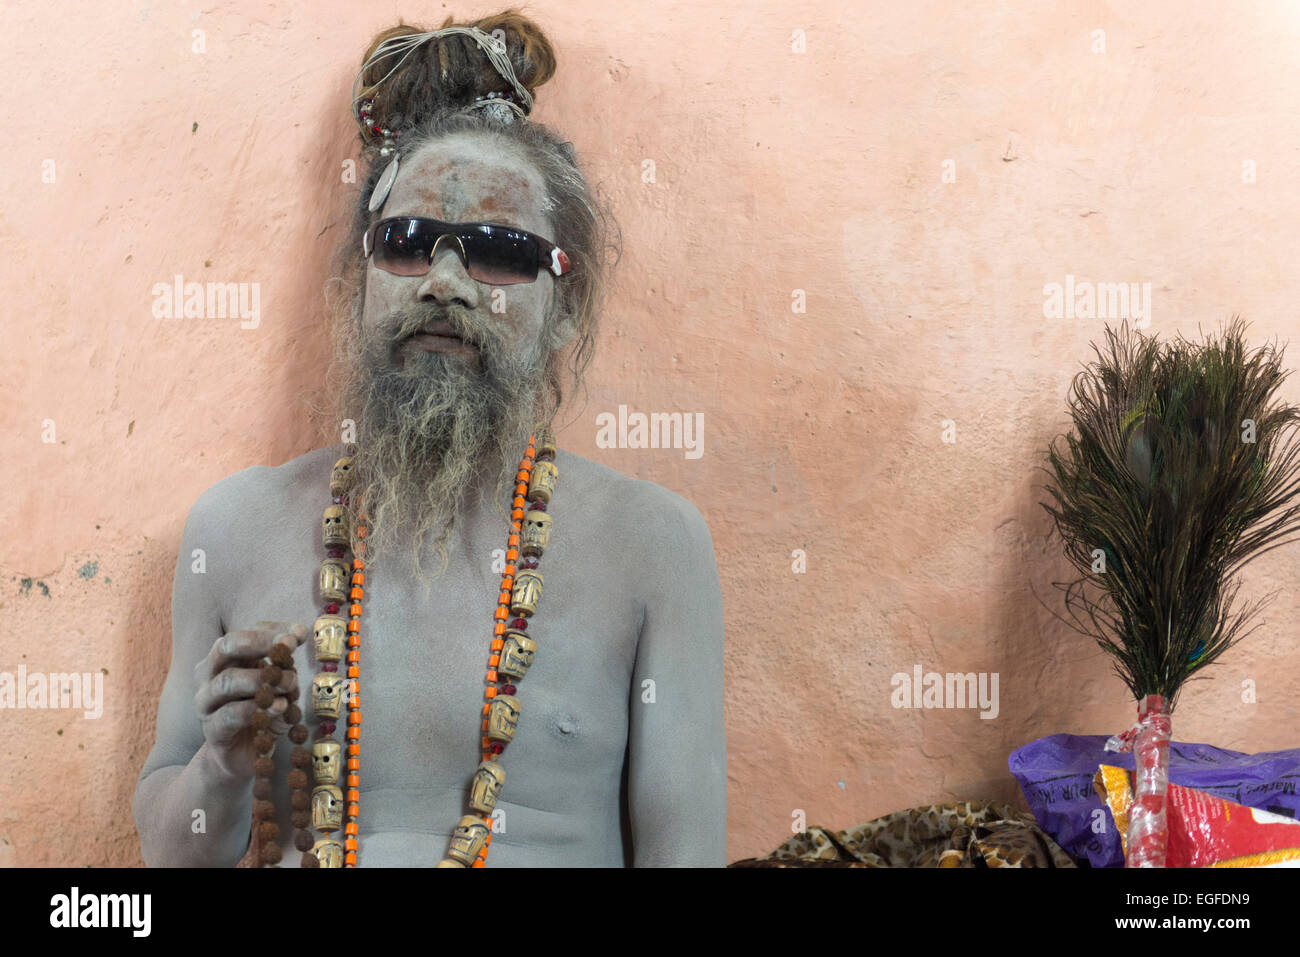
x=402 y=248
x=500 y=256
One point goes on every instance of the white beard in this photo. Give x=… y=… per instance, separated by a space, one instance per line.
x=434 y=433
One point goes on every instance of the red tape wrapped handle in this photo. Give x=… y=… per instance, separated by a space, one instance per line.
x=1148 y=826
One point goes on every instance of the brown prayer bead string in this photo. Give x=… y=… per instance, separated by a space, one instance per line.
x=512 y=653
x=267 y=831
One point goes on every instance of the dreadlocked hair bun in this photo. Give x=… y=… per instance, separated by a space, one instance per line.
x=449 y=73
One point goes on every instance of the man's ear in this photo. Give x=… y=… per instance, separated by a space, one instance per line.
x=560 y=325
x=564 y=326
x=359 y=305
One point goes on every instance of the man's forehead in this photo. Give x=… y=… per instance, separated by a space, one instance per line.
x=467 y=180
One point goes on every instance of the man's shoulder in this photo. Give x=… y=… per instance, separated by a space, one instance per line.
x=262 y=488
x=644 y=510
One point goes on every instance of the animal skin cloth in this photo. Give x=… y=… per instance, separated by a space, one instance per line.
x=964 y=834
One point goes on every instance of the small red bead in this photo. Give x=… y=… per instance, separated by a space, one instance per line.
x=334 y=552
x=497 y=747
x=529 y=562
x=519 y=624
x=327 y=727
x=332 y=608
x=507 y=689
x=538 y=506
x=329 y=666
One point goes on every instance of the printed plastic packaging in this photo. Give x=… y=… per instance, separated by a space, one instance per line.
x=1207 y=831
x=1056 y=775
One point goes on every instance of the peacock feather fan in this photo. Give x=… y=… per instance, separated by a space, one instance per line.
x=1182 y=466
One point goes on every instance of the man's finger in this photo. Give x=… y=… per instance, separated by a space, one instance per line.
x=231 y=684
x=226 y=722
x=252 y=643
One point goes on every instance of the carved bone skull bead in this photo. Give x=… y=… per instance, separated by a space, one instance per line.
x=330 y=634
x=542 y=484
x=503 y=717
x=327 y=695
x=527 y=592
x=333 y=580
x=326 y=761
x=329 y=852
x=341 y=477
x=545 y=440
x=334 y=527
x=517 y=654
x=536 y=533
x=486 y=787
x=468 y=839
x=327 y=808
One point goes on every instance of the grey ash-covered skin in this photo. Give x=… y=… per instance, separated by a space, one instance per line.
x=619 y=759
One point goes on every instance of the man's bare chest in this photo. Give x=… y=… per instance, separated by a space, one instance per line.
x=425 y=654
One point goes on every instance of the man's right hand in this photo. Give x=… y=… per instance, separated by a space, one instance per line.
x=227 y=680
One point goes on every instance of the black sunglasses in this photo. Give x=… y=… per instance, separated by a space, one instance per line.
x=500 y=255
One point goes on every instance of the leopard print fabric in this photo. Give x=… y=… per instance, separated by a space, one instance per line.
x=963 y=834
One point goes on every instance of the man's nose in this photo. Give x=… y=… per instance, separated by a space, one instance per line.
x=447 y=242
x=447 y=280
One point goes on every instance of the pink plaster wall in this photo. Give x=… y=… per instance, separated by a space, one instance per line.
x=775 y=171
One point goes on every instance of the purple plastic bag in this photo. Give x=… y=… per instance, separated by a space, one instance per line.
x=1056 y=772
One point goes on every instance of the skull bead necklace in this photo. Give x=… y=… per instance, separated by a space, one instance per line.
x=335 y=806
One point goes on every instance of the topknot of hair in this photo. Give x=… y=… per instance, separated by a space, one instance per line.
x=452 y=72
